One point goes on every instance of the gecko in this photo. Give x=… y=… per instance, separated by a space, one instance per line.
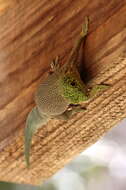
x=61 y=95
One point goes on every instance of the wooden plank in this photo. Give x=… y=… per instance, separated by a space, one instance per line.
x=32 y=33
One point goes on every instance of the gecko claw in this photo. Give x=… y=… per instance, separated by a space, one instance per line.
x=85 y=27
x=55 y=64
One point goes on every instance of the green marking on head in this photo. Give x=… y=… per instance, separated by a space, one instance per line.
x=73 y=90
x=96 y=89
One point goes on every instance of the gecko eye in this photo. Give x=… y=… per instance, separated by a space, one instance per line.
x=73 y=83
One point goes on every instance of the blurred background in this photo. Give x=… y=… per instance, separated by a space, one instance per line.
x=101 y=166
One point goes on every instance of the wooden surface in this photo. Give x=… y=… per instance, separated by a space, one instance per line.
x=32 y=33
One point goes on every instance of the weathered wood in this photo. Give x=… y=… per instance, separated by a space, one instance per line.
x=32 y=33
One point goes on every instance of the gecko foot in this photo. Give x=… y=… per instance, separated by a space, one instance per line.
x=55 y=64
x=85 y=27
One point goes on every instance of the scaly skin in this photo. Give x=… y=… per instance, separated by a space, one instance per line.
x=60 y=95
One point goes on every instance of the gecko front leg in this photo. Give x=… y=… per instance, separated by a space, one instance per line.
x=75 y=108
x=73 y=58
x=72 y=61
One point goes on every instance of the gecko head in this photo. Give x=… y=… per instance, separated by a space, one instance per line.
x=73 y=90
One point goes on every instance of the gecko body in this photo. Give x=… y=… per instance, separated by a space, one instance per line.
x=60 y=95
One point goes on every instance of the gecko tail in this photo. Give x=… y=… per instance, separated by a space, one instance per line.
x=34 y=121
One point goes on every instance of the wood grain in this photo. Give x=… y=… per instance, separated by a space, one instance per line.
x=32 y=33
